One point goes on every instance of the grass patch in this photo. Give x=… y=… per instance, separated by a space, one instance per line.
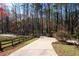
x=11 y=49
x=62 y=49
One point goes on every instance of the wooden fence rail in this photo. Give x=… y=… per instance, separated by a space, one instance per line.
x=12 y=42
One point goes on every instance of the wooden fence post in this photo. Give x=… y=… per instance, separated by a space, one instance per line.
x=1 y=46
x=12 y=43
x=19 y=40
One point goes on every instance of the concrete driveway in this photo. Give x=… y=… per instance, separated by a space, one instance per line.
x=40 y=47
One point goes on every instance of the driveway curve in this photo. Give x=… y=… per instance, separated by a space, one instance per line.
x=40 y=47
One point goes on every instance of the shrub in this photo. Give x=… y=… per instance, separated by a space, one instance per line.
x=62 y=36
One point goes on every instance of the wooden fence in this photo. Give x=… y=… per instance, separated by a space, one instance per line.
x=12 y=42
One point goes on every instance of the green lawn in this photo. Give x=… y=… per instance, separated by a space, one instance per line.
x=63 y=49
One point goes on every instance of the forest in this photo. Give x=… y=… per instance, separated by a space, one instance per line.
x=40 y=19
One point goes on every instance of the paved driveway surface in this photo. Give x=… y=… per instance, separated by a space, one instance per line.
x=40 y=47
